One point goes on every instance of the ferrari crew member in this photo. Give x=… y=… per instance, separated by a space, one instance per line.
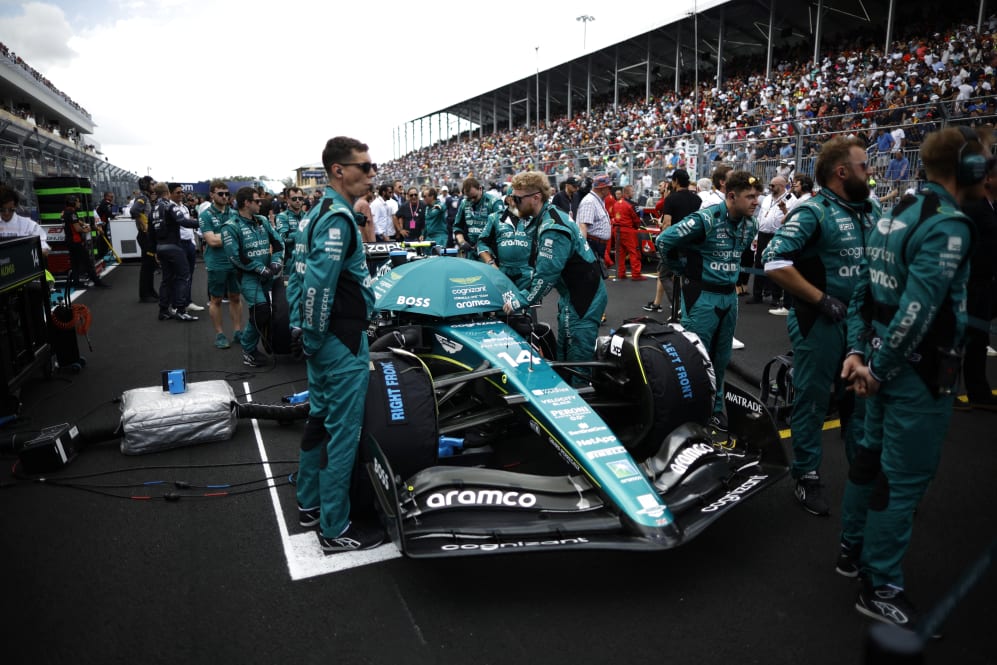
x=907 y=324
x=434 y=218
x=223 y=280
x=331 y=302
x=140 y=210
x=164 y=229
x=257 y=253
x=563 y=261
x=816 y=255
x=626 y=226
x=472 y=214
x=288 y=220
x=712 y=240
x=507 y=242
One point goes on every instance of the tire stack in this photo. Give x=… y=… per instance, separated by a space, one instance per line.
x=52 y=193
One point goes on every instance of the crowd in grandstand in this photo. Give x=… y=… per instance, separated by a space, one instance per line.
x=38 y=76
x=746 y=119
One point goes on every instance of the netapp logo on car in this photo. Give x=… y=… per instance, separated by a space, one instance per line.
x=596 y=440
x=684 y=459
x=491 y=547
x=412 y=300
x=396 y=405
x=733 y=495
x=481 y=498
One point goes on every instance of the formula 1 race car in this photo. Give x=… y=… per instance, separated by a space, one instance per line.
x=477 y=442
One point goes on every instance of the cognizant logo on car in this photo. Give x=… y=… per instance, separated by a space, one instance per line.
x=481 y=498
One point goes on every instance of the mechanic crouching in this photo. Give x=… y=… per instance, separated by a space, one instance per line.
x=256 y=251
x=507 y=242
x=563 y=261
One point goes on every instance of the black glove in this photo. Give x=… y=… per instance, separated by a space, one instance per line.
x=265 y=273
x=833 y=308
x=297 y=348
x=276 y=268
x=466 y=247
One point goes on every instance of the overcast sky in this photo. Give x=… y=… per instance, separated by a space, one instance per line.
x=193 y=90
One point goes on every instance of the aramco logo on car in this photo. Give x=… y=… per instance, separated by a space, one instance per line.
x=481 y=498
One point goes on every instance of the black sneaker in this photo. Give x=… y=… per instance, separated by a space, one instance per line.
x=718 y=422
x=848 y=560
x=888 y=604
x=651 y=307
x=354 y=538
x=810 y=495
x=183 y=316
x=254 y=359
x=167 y=315
x=308 y=517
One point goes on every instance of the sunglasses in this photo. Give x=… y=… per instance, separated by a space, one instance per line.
x=519 y=199
x=413 y=196
x=366 y=167
x=7 y=211
x=223 y=193
x=257 y=200
x=297 y=198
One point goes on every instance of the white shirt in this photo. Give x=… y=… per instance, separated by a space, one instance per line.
x=769 y=214
x=185 y=233
x=380 y=210
x=20 y=227
x=797 y=200
x=710 y=198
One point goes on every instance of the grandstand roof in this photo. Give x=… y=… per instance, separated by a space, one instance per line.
x=744 y=26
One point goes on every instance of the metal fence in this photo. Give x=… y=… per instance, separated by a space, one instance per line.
x=789 y=146
x=26 y=155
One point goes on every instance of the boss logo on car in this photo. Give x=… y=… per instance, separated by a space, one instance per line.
x=381 y=474
x=481 y=498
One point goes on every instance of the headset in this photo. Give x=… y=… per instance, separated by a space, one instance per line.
x=972 y=168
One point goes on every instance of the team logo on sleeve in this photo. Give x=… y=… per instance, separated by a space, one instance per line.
x=887 y=226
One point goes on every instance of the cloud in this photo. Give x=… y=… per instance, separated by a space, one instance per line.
x=40 y=35
x=195 y=89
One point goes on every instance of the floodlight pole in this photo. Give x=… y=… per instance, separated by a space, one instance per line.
x=585 y=18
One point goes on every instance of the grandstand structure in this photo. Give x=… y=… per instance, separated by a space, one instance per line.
x=44 y=133
x=591 y=114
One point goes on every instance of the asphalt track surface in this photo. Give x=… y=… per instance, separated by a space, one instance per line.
x=232 y=579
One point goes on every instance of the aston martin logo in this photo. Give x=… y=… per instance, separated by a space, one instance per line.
x=465 y=280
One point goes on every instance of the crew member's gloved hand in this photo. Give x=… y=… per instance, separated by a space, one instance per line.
x=833 y=308
x=297 y=348
x=276 y=268
x=466 y=247
x=265 y=273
